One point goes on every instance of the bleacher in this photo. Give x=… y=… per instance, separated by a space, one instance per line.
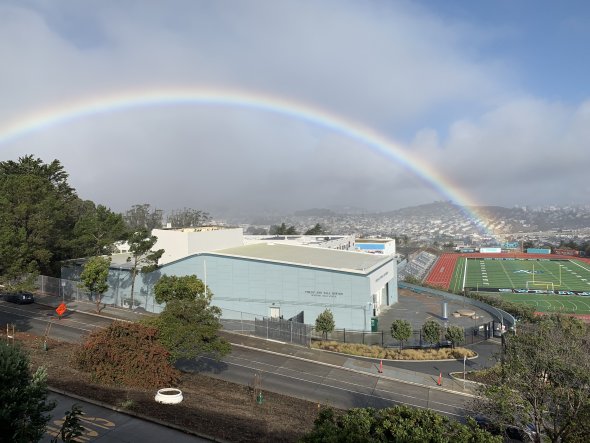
x=418 y=266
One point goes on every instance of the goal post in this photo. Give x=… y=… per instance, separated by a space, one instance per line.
x=536 y=284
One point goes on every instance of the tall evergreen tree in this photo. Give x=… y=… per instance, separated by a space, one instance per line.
x=188 y=218
x=142 y=258
x=36 y=217
x=142 y=216
x=96 y=230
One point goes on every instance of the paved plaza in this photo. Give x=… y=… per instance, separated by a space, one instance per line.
x=417 y=308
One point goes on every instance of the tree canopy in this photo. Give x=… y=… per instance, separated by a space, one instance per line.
x=142 y=258
x=324 y=323
x=188 y=218
x=545 y=380
x=395 y=424
x=431 y=331
x=401 y=330
x=283 y=229
x=36 y=217
x=43 y=222
x=143 y=217
x=171 y=287
x=97 y=230
x=455 y=334
x=318 y=229
x=23 y=397
x=94 y=277
x=189 y=325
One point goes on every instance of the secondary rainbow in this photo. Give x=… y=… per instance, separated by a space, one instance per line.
x=127 y=100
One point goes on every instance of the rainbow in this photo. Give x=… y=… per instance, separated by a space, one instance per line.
x=122 y=101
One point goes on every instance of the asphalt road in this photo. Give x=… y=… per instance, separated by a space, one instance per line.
x=36 y=319
x=104 y=425
x=487 y=353
x=281 y=374
x=324 y=384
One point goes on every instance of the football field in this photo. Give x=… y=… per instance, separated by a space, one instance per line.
x=561 y=285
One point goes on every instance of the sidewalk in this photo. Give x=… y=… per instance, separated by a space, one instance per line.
x=358 y=364
x=88 y=307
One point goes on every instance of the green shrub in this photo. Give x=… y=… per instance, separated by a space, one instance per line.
x=393 y=354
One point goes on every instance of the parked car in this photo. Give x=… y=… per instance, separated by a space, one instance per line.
x=21 y=298
x=510 y=434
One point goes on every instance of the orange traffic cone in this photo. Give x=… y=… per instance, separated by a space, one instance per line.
x=381 y=367
x=439 y=382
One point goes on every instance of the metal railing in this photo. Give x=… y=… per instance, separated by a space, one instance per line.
x=473 y=334
x=499 y=315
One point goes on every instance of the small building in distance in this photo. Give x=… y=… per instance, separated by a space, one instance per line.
x=342 y=242
x=384 y=246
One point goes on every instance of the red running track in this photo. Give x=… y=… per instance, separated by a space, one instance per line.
x=442 y=271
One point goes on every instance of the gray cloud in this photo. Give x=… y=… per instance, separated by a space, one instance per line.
x=390 y=66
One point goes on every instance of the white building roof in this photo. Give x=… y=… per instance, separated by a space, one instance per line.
x=306 y=256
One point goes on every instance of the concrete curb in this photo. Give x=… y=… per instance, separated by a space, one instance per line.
x=352 y=355
x=452 y=374
x=438 y=388
x=135 y=414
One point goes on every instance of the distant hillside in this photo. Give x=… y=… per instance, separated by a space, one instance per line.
x=435 y=209
x=499 y=218
x=315 y=212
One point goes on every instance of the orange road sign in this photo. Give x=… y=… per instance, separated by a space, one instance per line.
x=61 y=309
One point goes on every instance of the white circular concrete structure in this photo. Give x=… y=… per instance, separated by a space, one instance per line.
x=466 y=312
x=169 y=396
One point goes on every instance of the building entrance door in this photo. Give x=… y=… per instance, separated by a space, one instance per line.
x=275 y=312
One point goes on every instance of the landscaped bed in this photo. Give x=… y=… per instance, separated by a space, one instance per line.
x=210 y=406
x=393 y=354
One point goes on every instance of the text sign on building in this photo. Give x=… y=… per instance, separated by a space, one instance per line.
x=315 y=293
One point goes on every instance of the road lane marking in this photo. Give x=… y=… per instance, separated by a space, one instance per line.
x=436 y=388
x=89 y=433
x=355 y=391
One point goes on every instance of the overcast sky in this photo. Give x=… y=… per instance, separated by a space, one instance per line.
x=494 y=95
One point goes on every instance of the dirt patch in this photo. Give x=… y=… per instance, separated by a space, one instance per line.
x=489 y=376
x=210 y=406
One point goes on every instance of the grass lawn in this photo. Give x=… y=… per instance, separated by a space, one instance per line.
x=539 y=274
x=563 y=277
x=574 y=304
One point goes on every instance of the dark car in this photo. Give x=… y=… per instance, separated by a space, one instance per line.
x=21 y=298
x=509 y=433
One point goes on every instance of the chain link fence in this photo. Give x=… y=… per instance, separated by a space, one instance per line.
x=473 y=334
x=289 y=331
x=67 y=290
